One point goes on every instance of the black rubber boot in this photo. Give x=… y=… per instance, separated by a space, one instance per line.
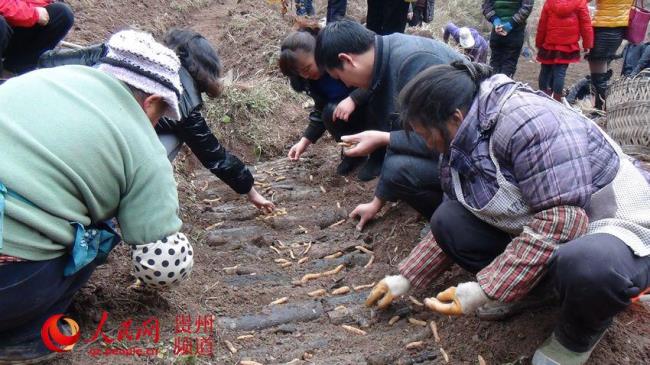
x=348 y=164
x=372 y=168
x=599 y=83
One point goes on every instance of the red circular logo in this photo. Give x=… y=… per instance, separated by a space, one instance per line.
x=52 y=337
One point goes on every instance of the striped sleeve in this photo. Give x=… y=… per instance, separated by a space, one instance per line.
x=425 y=262
x=524 y=11
x=524 y=262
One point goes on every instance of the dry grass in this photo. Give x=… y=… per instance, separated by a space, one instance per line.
x=256 y=116
x=188 y=5
x=260 y=112
x=252 y=41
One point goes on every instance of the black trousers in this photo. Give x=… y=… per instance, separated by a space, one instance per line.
x=357 y=122
x=336 y=10
x=387 y=16
x=31 y=292
x=410 y=174
x=506 y=51
x=21 y=47
x=596 y=275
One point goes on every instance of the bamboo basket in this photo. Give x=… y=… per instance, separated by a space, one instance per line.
x=628 y=114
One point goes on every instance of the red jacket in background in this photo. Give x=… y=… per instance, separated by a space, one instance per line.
x=561 y=25
x=21 y=14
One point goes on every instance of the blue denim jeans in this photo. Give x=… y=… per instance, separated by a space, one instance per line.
x=551 y=77
x=31 y=292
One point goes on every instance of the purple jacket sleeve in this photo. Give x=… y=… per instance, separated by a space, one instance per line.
x=549 y=159
x=450 y=30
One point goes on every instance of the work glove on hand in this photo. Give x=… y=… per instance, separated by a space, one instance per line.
x=388 y=289
x=455 y=301
x=496 y=22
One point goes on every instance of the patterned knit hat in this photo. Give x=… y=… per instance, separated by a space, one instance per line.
x=137 y=59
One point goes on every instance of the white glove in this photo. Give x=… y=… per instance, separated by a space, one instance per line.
x=388 y=289
x=464 y=299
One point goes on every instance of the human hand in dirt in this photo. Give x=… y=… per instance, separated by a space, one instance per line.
x=43 y=16
x=367 y=212
x=365 y=142
x=298 y=149
x=456 y=301
x=260 y=202
x=388 y=289
x=344 y=109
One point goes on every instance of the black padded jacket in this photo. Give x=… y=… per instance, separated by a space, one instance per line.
x=192 y=129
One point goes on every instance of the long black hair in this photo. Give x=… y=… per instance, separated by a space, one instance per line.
x=197 y=56
x=303 y=39
x=432 y=97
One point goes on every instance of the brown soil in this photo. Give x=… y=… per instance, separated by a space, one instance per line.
x=229 y=233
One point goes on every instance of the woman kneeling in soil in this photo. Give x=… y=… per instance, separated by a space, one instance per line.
x=200 y=72
x=536 y=190
x=85 y=153
x=337 y=108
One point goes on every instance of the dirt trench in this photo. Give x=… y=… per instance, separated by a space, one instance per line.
x=244 y=261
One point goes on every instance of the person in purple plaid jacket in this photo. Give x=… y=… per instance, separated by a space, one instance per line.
x=537 y=195
x=469 y=39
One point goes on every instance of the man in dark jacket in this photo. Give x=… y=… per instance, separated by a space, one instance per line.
x=383 y=65
x=508 y=18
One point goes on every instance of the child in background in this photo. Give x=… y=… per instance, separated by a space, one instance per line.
x=508 y=20
x=336 y=106
x=561 y=25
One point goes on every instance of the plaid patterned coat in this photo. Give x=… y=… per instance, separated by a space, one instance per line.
x=556 y=158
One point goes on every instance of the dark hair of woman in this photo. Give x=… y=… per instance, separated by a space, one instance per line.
x=303 y=39
x=431 y=98
x=198 y=57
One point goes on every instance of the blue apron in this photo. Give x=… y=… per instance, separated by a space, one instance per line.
x=92 y=243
